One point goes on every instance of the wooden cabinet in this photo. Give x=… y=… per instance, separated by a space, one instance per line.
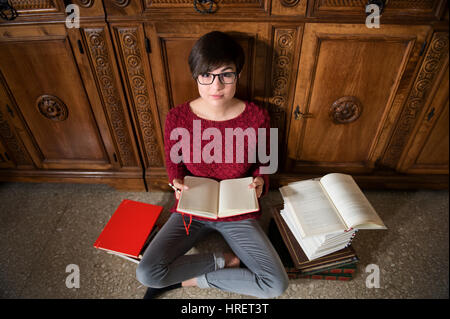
x=348 y=93
x=60 y=121
x=88 y=104
x=53 y=104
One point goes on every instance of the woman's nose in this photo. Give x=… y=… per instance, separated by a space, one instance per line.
x=217 y=83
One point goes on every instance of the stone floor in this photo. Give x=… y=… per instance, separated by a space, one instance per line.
x=46 y=227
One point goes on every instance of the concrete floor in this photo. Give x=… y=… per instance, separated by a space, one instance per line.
x=46 y=227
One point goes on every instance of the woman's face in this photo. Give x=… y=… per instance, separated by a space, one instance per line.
x=218 y=93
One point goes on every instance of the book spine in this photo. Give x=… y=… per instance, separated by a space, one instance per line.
x=345 y=271
x=318 y=271
x=338 y=277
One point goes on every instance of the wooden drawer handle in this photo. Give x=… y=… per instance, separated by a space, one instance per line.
x=205 y=6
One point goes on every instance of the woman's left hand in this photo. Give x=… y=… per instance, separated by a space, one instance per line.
x=258 y=183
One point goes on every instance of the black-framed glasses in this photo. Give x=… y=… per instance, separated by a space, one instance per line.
x=224 y=78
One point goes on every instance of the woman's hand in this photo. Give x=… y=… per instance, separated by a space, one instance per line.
x=258 y=184
x=178 y=183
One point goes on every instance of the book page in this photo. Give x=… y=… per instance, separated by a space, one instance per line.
x=350 y=201
x=236 y=197
x=201 y=198
x=288 y=218
x=311 y=208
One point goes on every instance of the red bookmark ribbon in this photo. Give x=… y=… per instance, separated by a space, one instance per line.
x=184 y=222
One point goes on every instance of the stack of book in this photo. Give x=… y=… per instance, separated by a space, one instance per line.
x=324 y=214
x=340 y=265
x=129 y=230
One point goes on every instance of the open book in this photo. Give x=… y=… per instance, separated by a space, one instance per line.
x=334 y=203
x=211 y=199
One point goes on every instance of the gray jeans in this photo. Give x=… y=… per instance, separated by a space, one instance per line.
x=164 y=262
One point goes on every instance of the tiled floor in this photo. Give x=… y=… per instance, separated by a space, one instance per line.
x=46 y=227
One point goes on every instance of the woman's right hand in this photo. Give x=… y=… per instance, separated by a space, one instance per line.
x=178 y=183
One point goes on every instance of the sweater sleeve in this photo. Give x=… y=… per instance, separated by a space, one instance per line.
x=258 y=165
x=174 y=170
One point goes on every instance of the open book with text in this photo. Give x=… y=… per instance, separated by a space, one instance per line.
x=325 y=214
x=209 y=198
x=334 y=203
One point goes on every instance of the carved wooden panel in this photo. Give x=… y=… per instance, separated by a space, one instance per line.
x=102 y=60
x=138 y=82
x=436 y=55
x=25 y=7
x=283 y=66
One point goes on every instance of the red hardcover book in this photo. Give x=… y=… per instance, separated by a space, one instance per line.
x=128 y=228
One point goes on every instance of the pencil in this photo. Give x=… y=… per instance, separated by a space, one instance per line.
x=174 y=188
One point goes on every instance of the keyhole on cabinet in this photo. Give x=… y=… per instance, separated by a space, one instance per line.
x=430 y=115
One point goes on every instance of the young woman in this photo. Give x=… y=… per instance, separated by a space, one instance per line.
x=254 y=267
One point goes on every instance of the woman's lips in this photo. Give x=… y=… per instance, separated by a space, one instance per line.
x=217 y=96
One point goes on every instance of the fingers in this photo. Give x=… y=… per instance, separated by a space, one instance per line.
x=178 y=183
x=259 y=191
x=257 y=183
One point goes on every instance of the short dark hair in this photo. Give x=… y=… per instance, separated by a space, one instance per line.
x=213 y=50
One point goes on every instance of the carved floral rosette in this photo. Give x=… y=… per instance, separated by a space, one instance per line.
x=52 y=107
x=345 y=110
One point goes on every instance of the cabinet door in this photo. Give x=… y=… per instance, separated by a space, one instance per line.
x=172 y=43
x=427 y=150
x=350 y=87
x=40 y=70
x=154 y=63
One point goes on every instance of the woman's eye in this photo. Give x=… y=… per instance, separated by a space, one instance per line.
x=228 y=74
x=205 y=75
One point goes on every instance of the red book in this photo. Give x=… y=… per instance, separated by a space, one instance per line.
x=128 y=228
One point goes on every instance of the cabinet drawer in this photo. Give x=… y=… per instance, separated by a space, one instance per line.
x=201 y=7
x=393 y=9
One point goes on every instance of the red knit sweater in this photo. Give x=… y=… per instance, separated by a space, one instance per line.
x=183 y=117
